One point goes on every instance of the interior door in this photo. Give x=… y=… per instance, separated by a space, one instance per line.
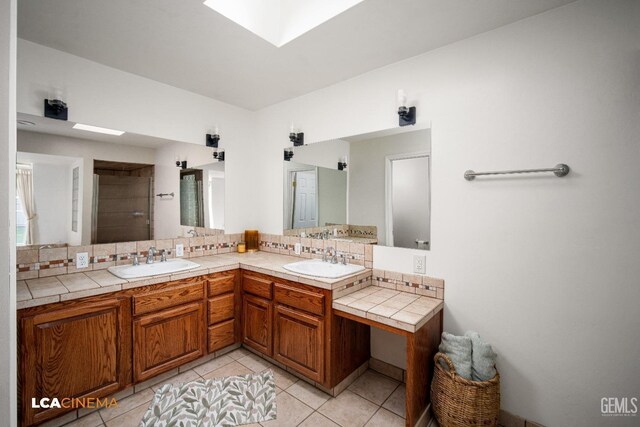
x=305 y=199
x=410 y=213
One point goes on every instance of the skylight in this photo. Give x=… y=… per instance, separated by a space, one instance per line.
x=280 y=21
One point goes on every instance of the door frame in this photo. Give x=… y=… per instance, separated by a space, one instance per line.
x=288 y=213
x=388 y=190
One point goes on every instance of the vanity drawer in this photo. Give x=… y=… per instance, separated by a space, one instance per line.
x=221 y=308
x=221 y=335
x=223 y=284
x=163 y=298
x=257 y=285
x=302 y=299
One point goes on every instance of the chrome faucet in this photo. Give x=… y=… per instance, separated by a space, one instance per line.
x=136 y=259
x=163 y=256
x=151 y=255
x=329 y=255
x=343 y=259
x=193 y=233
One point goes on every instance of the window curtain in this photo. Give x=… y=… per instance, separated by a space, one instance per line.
x=24 y=180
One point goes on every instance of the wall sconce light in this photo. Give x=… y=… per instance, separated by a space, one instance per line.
x=288 y=154
x=296 y=137
x=213 y=138
x=219 y=155
x=342 y=164
x=55 y=109
x=407 y=115
x=181 y=163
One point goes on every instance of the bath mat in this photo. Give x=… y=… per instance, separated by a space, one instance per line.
x=228 y=401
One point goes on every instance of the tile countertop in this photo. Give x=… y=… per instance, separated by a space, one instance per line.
x=34 y=292
x=401 y=310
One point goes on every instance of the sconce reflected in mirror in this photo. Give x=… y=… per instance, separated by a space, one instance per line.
x=406 y=115
x=213 y=138
x=342 y=164
x=288 y=154
x=296 y=137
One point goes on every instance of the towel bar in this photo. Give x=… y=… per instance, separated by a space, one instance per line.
x=559 y=170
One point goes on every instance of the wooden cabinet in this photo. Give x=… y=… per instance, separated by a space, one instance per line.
x=75 y=350
x=257 y=319
x=223 y=310
x=167 y=339
x=96 y=346
x=299 y=341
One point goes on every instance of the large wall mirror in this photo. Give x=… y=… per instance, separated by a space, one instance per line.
x=381 y=196
x=78 y=187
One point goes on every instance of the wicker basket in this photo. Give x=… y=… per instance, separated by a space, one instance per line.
x=457 y=401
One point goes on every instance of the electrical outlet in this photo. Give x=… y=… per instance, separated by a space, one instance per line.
x=420 y=264
x=297 y=248
x=82 y=260
x=179 y=249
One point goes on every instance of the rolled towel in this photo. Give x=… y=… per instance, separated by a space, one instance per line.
x=483 y=358
x=458 y=349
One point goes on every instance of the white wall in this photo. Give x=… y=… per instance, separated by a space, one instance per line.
x=367 y=175
x=52 y=198
x=544 y=268
x=32 y=142
x=8 y=368
x=103 y=96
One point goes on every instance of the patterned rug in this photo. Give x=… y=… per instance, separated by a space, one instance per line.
x=229 y=401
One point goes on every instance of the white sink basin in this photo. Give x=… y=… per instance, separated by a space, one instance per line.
x=317 y=268
x=157 y=268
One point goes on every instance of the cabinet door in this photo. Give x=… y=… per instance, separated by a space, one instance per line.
x=81 y=350
x=167 y=339
x=257 y=315
x=298 y=341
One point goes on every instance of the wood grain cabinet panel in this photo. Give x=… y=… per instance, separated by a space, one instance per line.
x=303 y=299
x=299 y=341
x=221 y=308
x=257 y=285
x=79 y=350
x=257 y=320
x=222 y=284
x=168 y=297
x=167 y=339
x=222 y=335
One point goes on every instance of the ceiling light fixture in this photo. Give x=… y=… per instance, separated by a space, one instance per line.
x=406 y=115
x=97 y=129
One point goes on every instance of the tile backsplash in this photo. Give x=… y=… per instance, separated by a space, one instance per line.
x=336 y=230
x=33 y=262
x=356 y=253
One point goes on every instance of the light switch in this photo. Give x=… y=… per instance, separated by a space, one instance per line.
x=297 y=248
x=179 y=249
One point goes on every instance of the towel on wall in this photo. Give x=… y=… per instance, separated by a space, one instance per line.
x=483 y=358
x=458 y=349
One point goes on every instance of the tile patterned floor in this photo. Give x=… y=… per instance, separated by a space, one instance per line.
x=372 y=400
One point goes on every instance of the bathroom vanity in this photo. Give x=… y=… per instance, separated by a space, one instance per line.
x=95 y=346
